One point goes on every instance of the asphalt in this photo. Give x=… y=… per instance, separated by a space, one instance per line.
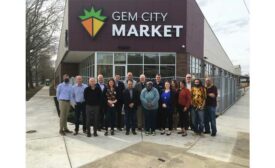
x=45 y=148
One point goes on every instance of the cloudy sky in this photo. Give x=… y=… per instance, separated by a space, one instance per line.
x=229 y=20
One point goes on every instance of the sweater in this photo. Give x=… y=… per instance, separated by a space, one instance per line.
x=149 y=99
x=92 y=96
x=184 y=98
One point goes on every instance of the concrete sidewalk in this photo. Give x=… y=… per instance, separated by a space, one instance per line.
x=46 y=148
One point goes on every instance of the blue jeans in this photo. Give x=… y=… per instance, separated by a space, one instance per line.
x=80 y=108
x=198 y=120
x=130 y=119
x=210 y=116
x=110 y=118
x=150 y=119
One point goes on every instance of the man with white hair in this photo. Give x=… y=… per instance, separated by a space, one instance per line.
x=140 y=115
x=79 y=103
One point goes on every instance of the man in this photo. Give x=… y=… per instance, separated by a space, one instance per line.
x=210 y=107
x=149 y=98
x=198 y=97
x=103 y=101
x=189 y=85
x=129 y=77
x=159 y=85
x=140 y=115
x=63 y=95
x=92 y=95
x=120 y=87
x=79 y=103
x=131 y=98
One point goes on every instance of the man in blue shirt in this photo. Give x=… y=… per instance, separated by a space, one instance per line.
x=63 y=95
x=79 y=103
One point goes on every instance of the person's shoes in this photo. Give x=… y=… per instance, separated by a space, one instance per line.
x=68 y=131
x=89 y=134
x=127 y=133
x=62 y=133
x=153 y=133
x=206 y=132
x=146 y=133
x=168 y=133
x=134 y=132
x=106 y=133
x=162 y=132
x=95 y=134
x=75 y=133
x=112 y=132
x=180 y=132
x=99 y=129
x=184 y=134
x=213 y=134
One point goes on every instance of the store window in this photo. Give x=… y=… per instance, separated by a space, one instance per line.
x=151 y=58
x=135 y=58
x=135 y=69
x=106 y=70
x=167 y=71
x=195 y=66
x=104 y=58
x=150 y=71
x=120 y=58
x=167 y=58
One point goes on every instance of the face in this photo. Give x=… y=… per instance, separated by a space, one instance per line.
x=78 y=80
x=188 y=78
x=167 y=85
x=142 y=79
x=158 y=78
x=196 y=82
x=111 y=83
x=117 y=77
x=92 y=82
x=130 y=85
x=182 y=85
x=207 y=81
x=173 y=84
x=100 y=78
x=149 y=86
x=130 y=76
x=65 y=77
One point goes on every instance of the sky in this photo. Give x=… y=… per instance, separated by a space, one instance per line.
x=229 y=20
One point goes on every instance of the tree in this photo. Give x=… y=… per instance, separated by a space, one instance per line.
x=43 y=18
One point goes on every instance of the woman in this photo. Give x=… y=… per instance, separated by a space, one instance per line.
x=149 y=98
x=184 y=101
x=111 y=106
x=167 y=102
x=175 y=89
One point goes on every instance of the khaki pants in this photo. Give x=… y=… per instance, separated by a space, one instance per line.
x=64 y=111
x=140 y=117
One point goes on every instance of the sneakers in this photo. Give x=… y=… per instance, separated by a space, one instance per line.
x=162 y=132
x=168 y=133
x=134 y=132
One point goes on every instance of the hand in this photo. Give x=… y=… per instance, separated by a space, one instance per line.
x=131 y=105
x=211 y=95
x=164 y=105
x=185 y=109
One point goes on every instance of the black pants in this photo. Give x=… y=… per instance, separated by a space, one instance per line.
x=101 y=116
x=92 y=113
x=119 y=115
x=131 y=119
x=159 y=118
x=80 y=109
x=166 y=115
x=110 y=118
x=184 y=119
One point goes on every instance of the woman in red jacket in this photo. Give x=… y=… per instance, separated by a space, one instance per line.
x=184 y=101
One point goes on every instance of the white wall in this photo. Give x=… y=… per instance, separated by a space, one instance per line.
x=213 y=50
x=61 y=48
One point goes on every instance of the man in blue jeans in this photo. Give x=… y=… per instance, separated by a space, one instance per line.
x=210 y=107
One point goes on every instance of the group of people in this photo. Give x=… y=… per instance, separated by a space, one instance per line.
x=144 y=105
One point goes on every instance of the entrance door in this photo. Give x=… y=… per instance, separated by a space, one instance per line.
x=120 y=70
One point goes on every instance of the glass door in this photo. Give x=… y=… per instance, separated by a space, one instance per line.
x=120 y=70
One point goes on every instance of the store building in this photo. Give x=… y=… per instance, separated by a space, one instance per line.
x=141 y=36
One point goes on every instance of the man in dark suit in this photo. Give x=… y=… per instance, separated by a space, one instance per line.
x=103 y=101
x=120 y=88
x=130 y=97
x=159 y=85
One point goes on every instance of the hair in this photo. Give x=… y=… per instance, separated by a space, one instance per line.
x=129 y=80
x=158 y=75
x=108 y=85
x=184 y=82
x=200 y=82
x=176 y=83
